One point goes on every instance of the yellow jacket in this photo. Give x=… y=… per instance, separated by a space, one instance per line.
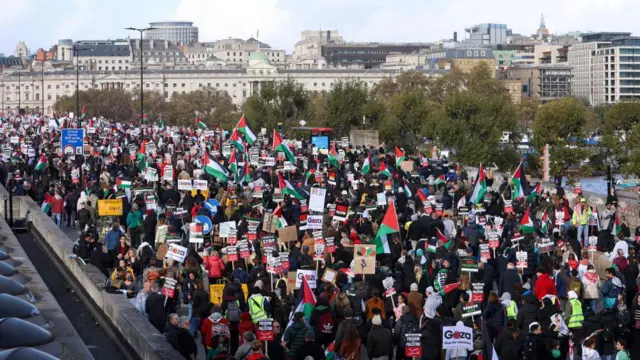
x=580 y=216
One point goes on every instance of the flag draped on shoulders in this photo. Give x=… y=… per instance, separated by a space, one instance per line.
x=389 y=226
x=480 y=188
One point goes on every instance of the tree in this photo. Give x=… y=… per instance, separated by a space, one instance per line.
x=155 y=106
x=346 y=105
x=213 y=107
x=527 y=110
x=283 y=102
x=561 y=124
x=113 y=104
x=619 y=140
x=408 y=80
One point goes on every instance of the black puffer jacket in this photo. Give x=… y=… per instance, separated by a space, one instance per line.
x=528 y=313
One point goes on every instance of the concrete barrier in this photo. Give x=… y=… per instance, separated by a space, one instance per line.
x=134 y=327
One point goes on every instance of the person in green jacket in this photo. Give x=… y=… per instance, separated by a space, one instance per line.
x=134 y=223
x=294 y=335
x=623 y=353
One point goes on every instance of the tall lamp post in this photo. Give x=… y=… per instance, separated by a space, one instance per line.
x=75 y=55
x=141 y=69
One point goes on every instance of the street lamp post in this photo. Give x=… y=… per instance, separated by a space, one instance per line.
x=141 y=69
x=75 y=54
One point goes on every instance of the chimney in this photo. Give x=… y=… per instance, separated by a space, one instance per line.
x=455 y=36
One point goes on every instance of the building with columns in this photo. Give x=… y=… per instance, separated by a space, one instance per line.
x=239 y=83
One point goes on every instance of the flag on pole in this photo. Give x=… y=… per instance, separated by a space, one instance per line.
x=445 y=242
x=306 y=302
x=366 y=165
x=84 y=113
x=545 y=223
x=617 y=229
x=333 y=156
x=537 y=191
x=400 y=156
x=237 y=141
x=200 y=124
x=242 y=126
x=42 y=162
x=389 y=226
x=214 y=168
x=46 y=204
x=480 y=188
x=279 y=145
x=439 y=180
x=382 y=170
x=526 y=224
x=407 y=190
x=123 y=184
x=280 y=222
x=518 y=180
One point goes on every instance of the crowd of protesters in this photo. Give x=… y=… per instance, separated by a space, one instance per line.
x=554 y=276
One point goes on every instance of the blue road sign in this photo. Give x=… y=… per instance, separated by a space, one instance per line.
x=72 y=141
x=206 y=224
x=212 y=206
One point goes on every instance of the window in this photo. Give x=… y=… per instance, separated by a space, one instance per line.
x=166 y=94
x=99 y=67
x=316 y=84
x=146 y=85
x=175 y=85
x=183 y=85
x=37 y=97
x=57 y=97
x=37 y=87
x=57 y=86
x=217 y=84
x=119 y=61
x=26 y=96
x=99 y=61
x=48 y=86
x=226 y=84
x=48 y=96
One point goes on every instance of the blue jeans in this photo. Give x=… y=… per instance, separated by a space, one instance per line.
x=592 y=303
x=607 y=357
x=194 y=326
x=584 y=231
x=566 y=227
x=58 y=219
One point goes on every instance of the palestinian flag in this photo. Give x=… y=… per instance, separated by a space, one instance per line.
x=517 y=183
x=536 y=192
x=279 y=145
x=407 y=190
x=333 y=156
x=382 y=170
x=215 y=169
x=200 y=124
x=366 y=165
x=545 y=223
x=123 y=184
x=431 y=248
x=287 y=188
x=246 y=170
x=233 y=165
x=281 y=222
x=400 y=156
x=242 y=126
x=618 y=228
x=389 y=226
x=480 y=188
x=445 y=242
x=84 y=113
x=237 y=141
x=46 y=204
x=42 y=163
x=330 y=353
x=307 y=176
x=439 y=180
x=526 y=224
x=306 y=301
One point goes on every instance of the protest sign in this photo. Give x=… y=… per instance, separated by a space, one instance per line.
x=330 y=245
x=225 y=227
x=196 y=233
x=111 y=207
x=265 y=330
x=176 y=252
x=329 y=275
x=364 y=257
x=243 y=249
x=168 y=173
x=287 y=234
x=457 y=337
x=508 y=206
x=413 y=346
x=494 y=240
x=215 y=293
x=471 y=309
x=310 y=275
x=232 y=252
x=521 y=259
x=314 y=222
x=269 y=223
x=477 y=296
x=169 y=287
x=387 y=284
x=184 y=185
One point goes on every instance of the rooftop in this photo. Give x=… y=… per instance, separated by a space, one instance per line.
x=10 y=61
x=104 y=50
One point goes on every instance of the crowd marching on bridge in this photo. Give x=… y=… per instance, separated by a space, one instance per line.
x=248 y=245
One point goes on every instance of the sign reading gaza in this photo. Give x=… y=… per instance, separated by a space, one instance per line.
x=457 y=337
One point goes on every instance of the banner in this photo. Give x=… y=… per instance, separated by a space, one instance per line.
x=112 y=207
x=457 y=337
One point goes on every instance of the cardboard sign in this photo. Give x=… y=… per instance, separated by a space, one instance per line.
x=287 y=234
x=162 y=251
x=215 y=294
x=388 y=185
x=269 y=223
x=258 y=193
x=364 y=257
x=265 y=330
x=469 y=265
x=593 y=243
x=381 y=199
x=329 y=275
x=225 y=227
x=407 y=166
x=310 y=275
x=413 y=346
x=111 y=207
x=168 y=173
x=177 y=252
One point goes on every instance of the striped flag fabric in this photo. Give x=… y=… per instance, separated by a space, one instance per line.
x=333 y=156
x=518 y=180
x=200 y=124
x=237 y=141
x=526 y=224
x=242 y=126
x=383 y=170
x=439 y=180
x=400 y=156
x=215 y=169
x=445 y=242
x=366 y=165
x=279 y=145
x=123 y=184
x=42 y=162
x=306 y=302
x=288 y=189
x=46 y=204
x=480 y=188
x=389 y=226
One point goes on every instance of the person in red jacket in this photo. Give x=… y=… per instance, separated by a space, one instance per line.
x=57 y=207
x=544 y=284
x=214 y=265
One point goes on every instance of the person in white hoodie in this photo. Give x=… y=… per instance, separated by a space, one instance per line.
x=589 y=351
x=431 y=304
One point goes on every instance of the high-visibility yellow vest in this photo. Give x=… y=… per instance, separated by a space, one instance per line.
x=576 y=319
x=511 y=310
x=256 y=308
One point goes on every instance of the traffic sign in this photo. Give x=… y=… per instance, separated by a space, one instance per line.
x=72 y=142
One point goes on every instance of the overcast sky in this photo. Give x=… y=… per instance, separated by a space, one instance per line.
x=41 y=23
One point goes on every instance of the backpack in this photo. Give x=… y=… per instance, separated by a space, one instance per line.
x=233 y=311
x=325 y=324
x=575 y=285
